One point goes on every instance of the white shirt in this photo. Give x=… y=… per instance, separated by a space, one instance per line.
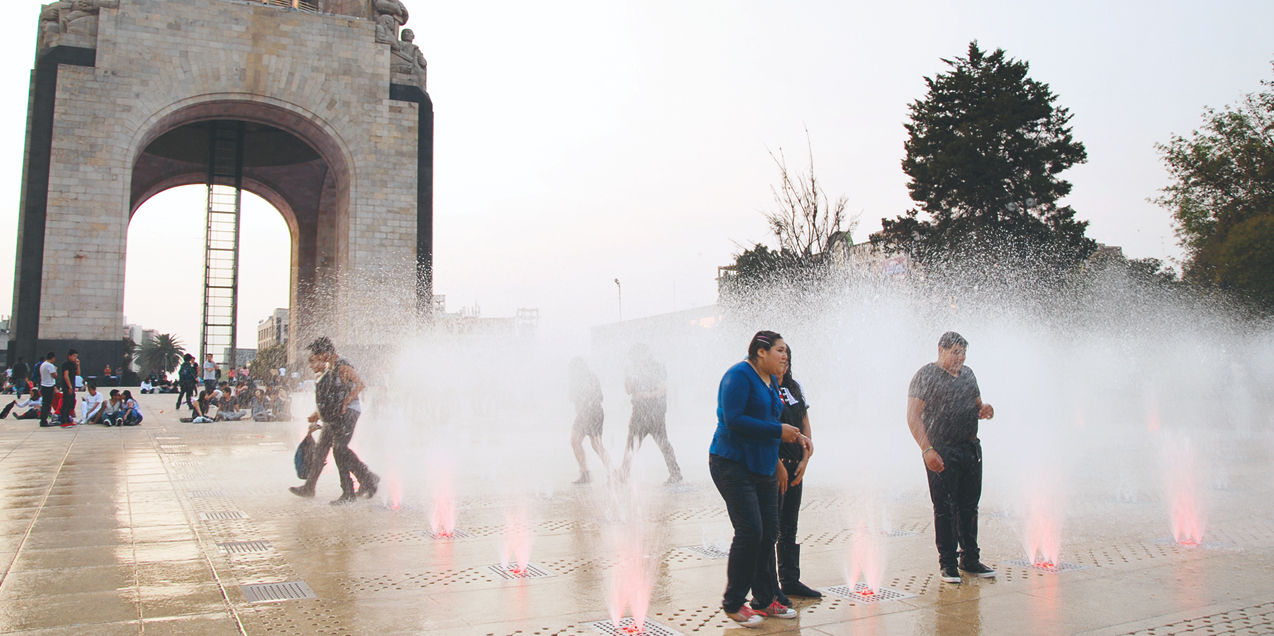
x=48 y=373
x=93 y=402
x=209 y=370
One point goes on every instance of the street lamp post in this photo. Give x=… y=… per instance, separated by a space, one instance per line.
x=620 y=290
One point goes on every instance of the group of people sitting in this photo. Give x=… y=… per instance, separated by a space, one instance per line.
x=231 y=403
x=117 y=409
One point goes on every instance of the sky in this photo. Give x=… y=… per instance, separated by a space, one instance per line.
x=581 y=142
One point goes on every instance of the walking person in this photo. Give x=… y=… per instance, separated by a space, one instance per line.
x=646 y=380
x=187 y=381
x=743 y=461
x=48 y=380
x=19 y=375
x=586 y=393
x=210 y=373
x=793 y=461
x=66 y=376
x=336 y=395
x=944 y=405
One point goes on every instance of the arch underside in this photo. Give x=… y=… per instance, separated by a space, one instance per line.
x=289 y=162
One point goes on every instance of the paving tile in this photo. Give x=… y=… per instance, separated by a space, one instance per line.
x=73 y=580
x=211 y=624
x=85 y=609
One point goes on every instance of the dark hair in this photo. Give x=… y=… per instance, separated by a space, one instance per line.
x=787 y=373
x=71 y=352
x=128 y=395
x=322 y=346
x=952 y=339
x=762 y=340
x=35 y=390
x=114 y=392
x=20 y=358
x=50 y=356
x=92 y=385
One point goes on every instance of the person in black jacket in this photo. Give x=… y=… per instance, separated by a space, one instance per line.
x=187 y=380
x=19 y=376
x=336 y=394
x=793 y=459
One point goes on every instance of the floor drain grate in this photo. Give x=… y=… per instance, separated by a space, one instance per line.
x=860 y=593
x=206 y=494
x=187 y=464
x=710 y=551
x=222 y=515
x=192 y=476
x=394 y=507
x=1047 y=567
x=444 y=536
x=532 y=571
x=244 y=547
x=627 y=628
x=274 y=592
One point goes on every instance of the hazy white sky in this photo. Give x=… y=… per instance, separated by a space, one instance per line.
x=579 y=142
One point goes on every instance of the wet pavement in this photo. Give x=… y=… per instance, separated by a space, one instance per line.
x=164 y=528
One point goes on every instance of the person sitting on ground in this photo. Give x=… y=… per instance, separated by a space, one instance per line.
x=261 y=407
x=32 y=404
x=113 y=410
x=92 y=406
x=132 y=411
x=147 y=388
x=204 y=408
x=281 y=405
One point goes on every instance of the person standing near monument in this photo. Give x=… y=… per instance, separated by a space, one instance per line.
x=187 y=380
x=66 y=376
x=48 y=380
x=944 y=405
x=336 y=395
x=646 y=380
x=19 y=377
x=210 y=372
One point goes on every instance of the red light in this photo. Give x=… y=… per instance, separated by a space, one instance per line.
x=866 y=592
x=1189 y=543
x=518 y=571
x=634 y=629
x=445 y=534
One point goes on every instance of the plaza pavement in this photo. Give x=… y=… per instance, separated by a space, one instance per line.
x=117 y=531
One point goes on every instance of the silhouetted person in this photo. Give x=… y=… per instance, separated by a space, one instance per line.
x=21 y=373
x=944 y=405
x=66 y=376
x=646 y=380
x=336 y=395
x=793 y=460
x=586 y=393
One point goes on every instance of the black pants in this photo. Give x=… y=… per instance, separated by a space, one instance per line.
x=956 y=492
x=46 y=404
x=789 y=552
x=336 y=437
x=654 y=425
x=67 y=416
x=187 y=391
x=752 y=501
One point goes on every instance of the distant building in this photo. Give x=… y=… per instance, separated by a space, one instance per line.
x=273 y=330
x=241 y=356
x=470 y=322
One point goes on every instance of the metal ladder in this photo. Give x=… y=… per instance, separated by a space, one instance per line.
x=221 y=252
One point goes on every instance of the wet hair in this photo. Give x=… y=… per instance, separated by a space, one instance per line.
x=787 y=373
x=322 y=346
x=952 y=339
x=762 y=340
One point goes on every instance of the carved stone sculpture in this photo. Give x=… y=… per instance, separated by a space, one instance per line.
x=72 y=17
x=407 y=56
x=390 y=15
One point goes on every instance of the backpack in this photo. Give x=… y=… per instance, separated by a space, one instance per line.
x=302 y=458
x=187 y=373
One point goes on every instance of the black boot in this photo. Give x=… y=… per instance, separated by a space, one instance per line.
x=790 y=573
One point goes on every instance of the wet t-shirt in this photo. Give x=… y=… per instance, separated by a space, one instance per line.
x=951 y=403
x=646 y=377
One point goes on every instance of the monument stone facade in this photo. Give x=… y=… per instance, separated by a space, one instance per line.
x=338 y=135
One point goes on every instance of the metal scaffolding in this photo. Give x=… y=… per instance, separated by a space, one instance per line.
x=221 y=252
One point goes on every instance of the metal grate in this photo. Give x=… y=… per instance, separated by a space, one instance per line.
x=439 y=536
x=400 y=507
x=1051 y=568
x=628 y=628
x=532 y=571
x=244 y=547
x=192 y=476
x=169 y=448
x=222 y=515
x=205 y=494
x=186 y=464
x=860 y=593
x=709 y=551
x=274 y=592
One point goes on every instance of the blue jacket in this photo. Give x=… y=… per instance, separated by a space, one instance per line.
x=748 y=428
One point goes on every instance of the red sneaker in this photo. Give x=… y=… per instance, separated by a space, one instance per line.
x=745 y=617
x=777 y=610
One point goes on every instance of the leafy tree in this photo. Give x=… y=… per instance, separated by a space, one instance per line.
x=270 y=358
x=985 y=148
x=1223 y=184
x=161 y=353
x=130 y=351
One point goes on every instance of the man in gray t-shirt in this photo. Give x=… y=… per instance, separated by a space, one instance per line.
x=944 y=405
x=209 y=374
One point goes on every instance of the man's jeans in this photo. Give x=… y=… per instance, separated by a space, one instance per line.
x=955 y=493
x=752 y=501
x=336 y=436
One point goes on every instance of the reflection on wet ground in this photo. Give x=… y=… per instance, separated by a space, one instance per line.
x=156 y=530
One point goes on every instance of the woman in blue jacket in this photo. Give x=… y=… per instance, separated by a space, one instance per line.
x=742 y=459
